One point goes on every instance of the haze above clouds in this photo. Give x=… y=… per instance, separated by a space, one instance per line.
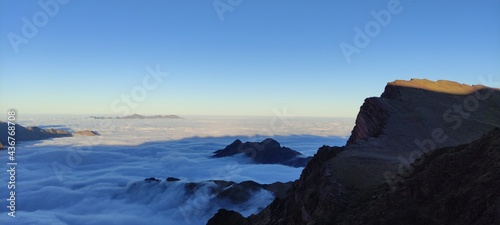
x=100 y=180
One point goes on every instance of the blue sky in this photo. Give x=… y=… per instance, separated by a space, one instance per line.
x=258 y=57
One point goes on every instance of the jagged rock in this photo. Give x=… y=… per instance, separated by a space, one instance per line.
x=370 y=122
x=268 y=151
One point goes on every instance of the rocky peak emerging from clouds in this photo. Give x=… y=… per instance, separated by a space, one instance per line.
x=37 y=133
x=268 y=151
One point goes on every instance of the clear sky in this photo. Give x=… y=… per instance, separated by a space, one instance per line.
x=235 y=57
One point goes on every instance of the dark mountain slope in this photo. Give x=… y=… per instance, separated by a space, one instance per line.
x=453 y=185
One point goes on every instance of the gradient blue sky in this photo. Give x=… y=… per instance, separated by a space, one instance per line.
x=264 y=55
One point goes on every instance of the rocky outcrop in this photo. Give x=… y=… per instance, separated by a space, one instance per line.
x=371 y=121
x=268 y=151
x=424 y=105
x=409 y=121
x=309 y=197
x=37 y=133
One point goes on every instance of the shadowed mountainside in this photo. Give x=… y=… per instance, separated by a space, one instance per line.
x=410 y=119
x=452 y=185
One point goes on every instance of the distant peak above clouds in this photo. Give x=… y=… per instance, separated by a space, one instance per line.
x=137 y=116
x=36 y=133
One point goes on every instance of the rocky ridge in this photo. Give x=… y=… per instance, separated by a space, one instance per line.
x=229 y=190
x=217 y=193
x=36 y=133
x=268 y=151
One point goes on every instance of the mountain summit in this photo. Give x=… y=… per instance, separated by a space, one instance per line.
x=268 y=151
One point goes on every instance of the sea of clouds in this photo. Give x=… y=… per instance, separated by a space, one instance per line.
x=100 y=180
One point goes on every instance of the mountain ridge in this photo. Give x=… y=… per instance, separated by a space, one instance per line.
x=138 y=116
x=36 y=133
x=268 y=151
x=409 y=121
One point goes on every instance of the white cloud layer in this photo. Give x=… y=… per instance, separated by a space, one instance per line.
x=100 y=180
